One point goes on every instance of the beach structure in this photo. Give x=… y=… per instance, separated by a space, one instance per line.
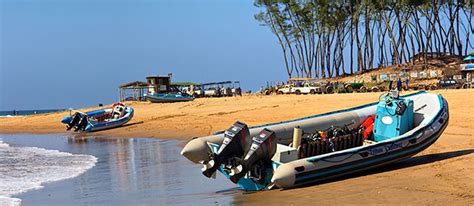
x=137 y=90
x=161 y=88
x=133 y=91
x=325 y=146
x=214 y=89
x=467 y=68
x=159 y=84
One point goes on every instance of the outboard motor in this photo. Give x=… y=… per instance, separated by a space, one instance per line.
x=75 y=118
x=260 y=153
x=231 y=147
x=82 y=123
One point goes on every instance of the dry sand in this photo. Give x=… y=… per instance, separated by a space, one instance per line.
x=442 y=174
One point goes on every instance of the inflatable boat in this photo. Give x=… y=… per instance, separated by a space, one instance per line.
x=101 y=119
x=168 y=98
x=321 y=147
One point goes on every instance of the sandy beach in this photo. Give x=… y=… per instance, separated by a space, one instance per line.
x=442 y=174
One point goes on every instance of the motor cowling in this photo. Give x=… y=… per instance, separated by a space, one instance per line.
x=82 y=123
x=75 y=119
x=261 y=151
x=232 y=146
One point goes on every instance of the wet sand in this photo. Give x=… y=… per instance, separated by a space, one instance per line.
x=442 y=174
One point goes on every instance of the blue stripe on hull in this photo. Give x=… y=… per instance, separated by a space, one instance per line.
x=108 y=125
x=351 y=167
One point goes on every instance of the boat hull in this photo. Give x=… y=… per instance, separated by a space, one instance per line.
x=431 y=120
x=97 y=126
x=157 y=99
x=326 y=167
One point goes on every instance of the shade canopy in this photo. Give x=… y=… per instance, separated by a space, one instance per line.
x=468 y=58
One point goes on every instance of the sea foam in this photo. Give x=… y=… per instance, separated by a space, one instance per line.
x=27 y=168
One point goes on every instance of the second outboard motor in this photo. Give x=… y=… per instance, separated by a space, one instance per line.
x=262 y=150
x=82 y=123
x=75 y=118
x=232 y=146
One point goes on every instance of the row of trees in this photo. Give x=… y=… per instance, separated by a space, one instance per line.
x=323 y=38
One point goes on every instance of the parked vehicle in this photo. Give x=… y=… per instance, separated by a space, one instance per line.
x=194 y=91
x=306 y=88
x=212 y=92
x=214 y=89
x=449 y=84
x=285 y=89
x=343 y=87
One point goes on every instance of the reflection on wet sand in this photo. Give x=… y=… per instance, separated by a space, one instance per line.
x=134 y=171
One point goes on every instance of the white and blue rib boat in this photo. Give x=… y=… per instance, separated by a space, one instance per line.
x=262 y=157
x=99 y=119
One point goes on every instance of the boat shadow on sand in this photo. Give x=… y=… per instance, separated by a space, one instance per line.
x=411 y=162
x=133 y=123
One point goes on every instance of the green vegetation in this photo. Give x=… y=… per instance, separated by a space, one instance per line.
x=184 y=84
x=315 y=36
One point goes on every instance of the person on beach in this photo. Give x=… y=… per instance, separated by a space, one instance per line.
x=399 y=84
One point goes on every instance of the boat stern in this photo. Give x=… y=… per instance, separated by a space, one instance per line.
x=284 y=176
x=196 y=150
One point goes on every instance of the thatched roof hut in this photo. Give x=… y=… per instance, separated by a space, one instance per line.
x=133 y=91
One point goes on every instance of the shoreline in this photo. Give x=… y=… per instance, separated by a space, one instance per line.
x=206 y=116
x=441 y=174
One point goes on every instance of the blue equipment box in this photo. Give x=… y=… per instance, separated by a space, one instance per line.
x=389 y=122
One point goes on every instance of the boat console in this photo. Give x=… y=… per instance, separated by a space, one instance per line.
x=118 y=111
x=393 y=117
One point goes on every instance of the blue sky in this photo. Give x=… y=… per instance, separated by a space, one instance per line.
x=75 y=53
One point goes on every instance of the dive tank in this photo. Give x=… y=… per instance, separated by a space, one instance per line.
x=232 y=145
x=262 y=149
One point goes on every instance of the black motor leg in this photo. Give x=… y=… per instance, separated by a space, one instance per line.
x=75 y=118
x=82 y=123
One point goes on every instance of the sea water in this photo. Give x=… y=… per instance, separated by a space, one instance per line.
x=104 y=171
x=11 y=113
x=27 y=168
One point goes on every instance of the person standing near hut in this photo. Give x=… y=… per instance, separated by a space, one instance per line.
x=399 y=84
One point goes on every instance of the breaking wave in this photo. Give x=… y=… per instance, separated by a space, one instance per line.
x=27 y=168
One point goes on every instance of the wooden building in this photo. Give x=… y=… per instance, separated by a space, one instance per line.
x=137 y=90
x=467 y=69
x=159 y=84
